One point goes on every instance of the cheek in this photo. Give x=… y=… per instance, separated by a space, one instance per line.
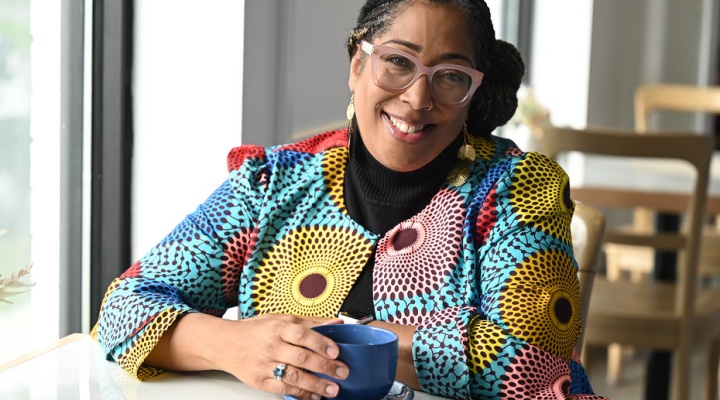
x=370 y=98
x=462 y=116
x=455 y=118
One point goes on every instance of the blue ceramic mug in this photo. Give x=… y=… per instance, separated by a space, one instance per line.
x=371 y=355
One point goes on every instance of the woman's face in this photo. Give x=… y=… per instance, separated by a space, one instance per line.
x=435 y=35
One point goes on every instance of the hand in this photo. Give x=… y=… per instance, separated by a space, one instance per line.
x=262 y=343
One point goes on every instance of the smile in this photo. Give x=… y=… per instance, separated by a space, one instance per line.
x=404 y=126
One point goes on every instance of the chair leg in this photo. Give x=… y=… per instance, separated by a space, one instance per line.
x=711 y=378
x=681 y=373
x=614 y=363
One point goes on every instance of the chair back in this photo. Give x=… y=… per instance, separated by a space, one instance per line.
x=683 y=98
x=673 y=97
x=691 y=148
x=587 y=227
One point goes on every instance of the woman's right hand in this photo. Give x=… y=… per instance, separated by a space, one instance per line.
x=285 y=339
x=251 y=348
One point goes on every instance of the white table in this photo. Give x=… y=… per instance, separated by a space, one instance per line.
x=604 y=181
x=75 y=368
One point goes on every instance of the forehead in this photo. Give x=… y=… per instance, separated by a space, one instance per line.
x=432 y=28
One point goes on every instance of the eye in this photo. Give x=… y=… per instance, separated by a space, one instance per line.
x=451 y=76
x=398 y=61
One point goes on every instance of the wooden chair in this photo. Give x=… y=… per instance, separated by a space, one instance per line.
x=672 y=316
x=637 y=262
x=669 y=97
x=587 y=227
x=655 y=98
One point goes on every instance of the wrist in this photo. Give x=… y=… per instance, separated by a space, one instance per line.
x=204 y=340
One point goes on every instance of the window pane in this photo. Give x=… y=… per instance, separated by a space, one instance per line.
x=29 y=173
x=496 y=8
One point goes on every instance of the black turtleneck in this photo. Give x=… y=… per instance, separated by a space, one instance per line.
x=379 y=198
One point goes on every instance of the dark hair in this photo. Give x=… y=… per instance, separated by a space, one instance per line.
x=495 y=101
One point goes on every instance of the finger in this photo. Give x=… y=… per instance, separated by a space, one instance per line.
x=298 y=393
x=303 y=383
x=299 y=335
x=305 y=359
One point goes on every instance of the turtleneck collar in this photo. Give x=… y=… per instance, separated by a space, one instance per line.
x=379 y=197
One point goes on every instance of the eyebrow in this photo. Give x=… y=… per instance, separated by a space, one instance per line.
x=416 y=48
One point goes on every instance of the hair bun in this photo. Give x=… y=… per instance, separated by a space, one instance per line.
x=506 y=66
x=496 y=100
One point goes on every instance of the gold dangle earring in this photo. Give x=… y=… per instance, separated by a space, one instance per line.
x=350 y=113
x=466 y=151
x=460 y=172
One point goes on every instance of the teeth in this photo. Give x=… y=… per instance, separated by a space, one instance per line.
x=403 y=126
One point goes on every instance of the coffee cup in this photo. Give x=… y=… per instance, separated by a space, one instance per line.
x=371 y=355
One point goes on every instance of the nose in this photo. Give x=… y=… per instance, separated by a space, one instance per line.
x=418 y=95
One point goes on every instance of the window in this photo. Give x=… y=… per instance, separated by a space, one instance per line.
x=29 y=172
x=41 y=147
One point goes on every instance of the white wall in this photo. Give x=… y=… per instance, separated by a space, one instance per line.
x=649 y=41
x=296 y=67
x=188 y=101
x=588 y=56
x=559 y=66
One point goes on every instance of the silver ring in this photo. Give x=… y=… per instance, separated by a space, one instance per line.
x=279 y=371
x=428 y=108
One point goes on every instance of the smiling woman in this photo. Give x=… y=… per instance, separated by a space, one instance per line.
x=452 y=238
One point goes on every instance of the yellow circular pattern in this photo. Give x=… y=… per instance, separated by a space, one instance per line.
x=336 y=254
x=486 y=341
x=541 y=304
x=323 y=296
x=542 y=188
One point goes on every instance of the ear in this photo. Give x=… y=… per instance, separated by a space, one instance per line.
x=355 y=70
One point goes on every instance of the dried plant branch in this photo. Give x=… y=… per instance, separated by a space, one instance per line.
x=9 y=286
x=13 y=282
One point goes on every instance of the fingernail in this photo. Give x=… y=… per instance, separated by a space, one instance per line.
x=331 y=390
x=315 y=397
x=332 y=352
x=342 y=372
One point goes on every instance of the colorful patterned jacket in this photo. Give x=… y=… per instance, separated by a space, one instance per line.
x=485 y=271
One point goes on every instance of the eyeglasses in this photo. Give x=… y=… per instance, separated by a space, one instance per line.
x=395 y=70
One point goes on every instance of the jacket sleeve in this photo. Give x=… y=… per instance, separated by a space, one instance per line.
x=196 y=268
x=517 y=340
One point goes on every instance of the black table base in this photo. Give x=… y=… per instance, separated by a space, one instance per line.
x=659 y=363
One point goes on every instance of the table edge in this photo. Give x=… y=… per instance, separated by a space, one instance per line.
x=29 y=356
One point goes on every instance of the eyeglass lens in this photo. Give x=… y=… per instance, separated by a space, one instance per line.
x=395 y=72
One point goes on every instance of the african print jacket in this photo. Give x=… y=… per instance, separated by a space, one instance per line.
x=485 y=271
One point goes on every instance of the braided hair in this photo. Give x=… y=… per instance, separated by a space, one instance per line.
x=495 y=101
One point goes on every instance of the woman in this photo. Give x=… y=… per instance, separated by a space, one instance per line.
x=454 y=239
